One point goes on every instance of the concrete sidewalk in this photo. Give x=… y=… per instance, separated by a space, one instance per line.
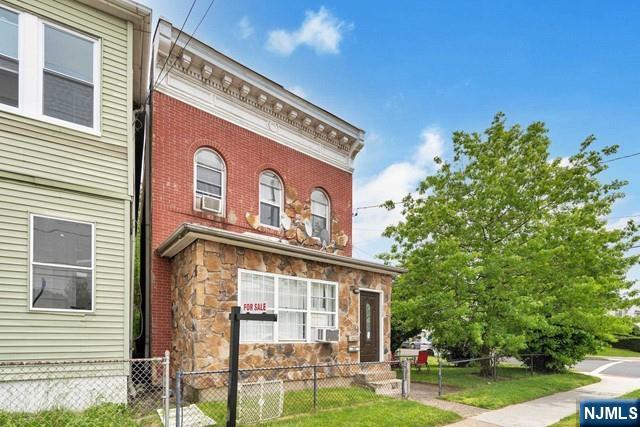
x=551 y=409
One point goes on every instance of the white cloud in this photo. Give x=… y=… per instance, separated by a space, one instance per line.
x=392 y=183
x=620 y=222
x=298 y=90
x=244 y=28
x=320 y=31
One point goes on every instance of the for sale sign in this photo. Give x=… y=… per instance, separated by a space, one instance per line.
x=254 y=307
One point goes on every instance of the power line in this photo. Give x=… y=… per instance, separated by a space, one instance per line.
x=621 y=157
x=206 y=12
x=173 y=46
x=381 y=205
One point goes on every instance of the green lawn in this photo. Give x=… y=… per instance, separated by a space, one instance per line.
x=352 y=406
x=301 y=402
x=99 y=416
x=503 y=393
x=618 y=352
x=572 y=420
x=389 y=413
x=465 y=377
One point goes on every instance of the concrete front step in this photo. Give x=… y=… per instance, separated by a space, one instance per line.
x=386 y=387
x=367 y=377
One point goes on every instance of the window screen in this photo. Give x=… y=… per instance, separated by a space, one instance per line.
x=61 y=264
x=68 y=80
x=9 y=66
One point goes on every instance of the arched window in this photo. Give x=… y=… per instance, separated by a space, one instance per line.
x=210 y=181
x=320 y=218
x=270 y=199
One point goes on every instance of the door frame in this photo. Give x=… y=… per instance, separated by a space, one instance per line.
x=380 y=322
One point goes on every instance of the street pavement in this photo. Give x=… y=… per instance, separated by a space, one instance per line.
x=618 y=376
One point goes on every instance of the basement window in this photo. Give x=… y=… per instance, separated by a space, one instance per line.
x=62 y=264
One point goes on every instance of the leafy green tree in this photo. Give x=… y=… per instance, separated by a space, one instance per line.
x=507 y=248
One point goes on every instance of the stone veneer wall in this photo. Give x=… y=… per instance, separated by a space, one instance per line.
x=204 y=288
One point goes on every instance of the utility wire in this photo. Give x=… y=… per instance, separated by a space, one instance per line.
x=381 y=205
x=173 y=46
x=206 y=12
x=621 y=157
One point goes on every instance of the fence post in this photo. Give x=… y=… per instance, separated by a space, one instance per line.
x=315 y=387
x=178 y=394
x=439 y=376
x=531 y=357
x=495 y=367
x=406 y=378
x=166 y=387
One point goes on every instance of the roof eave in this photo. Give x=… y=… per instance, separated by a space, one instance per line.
x=186 y=234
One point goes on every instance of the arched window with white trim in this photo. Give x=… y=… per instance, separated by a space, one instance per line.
x=270 y=199
x=210 y=181
x=320 y=217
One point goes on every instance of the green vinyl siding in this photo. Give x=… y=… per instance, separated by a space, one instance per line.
x=42 y=149
x=54 y=170
x=28 y=334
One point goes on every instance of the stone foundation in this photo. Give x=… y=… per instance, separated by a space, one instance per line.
x=204 y=288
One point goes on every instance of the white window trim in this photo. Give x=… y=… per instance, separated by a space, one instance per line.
x=31 y=69
x=32 y=216
x=328 y=217
x=223 y=182
x=278 y=204
x=308 y=310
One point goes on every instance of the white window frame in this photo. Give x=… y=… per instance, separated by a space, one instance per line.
x=7 y=107
x=275 y=309
x=278 y=203
x=31 y=69
x=92 y=269
x=223 y=182
x=328 y=217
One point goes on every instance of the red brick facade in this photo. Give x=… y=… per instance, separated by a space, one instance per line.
x=178 y=130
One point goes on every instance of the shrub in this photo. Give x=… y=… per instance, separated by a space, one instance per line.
x=628 y=343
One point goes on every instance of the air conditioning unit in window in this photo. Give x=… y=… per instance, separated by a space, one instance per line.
x=210 y=204
x=327 y=335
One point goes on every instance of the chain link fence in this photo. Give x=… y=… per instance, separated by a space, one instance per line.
x=122 y=392
x=449 y=376
x=285 y=393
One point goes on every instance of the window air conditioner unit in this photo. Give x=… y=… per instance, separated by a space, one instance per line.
x=210 y=204
x=327 y=335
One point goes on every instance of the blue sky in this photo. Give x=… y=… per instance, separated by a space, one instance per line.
x=410 y=73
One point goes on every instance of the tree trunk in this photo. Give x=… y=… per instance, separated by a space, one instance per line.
x=486 y=365
x=486 y=368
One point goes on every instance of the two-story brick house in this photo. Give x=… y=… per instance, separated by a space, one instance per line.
x=71 y=75
x=249 y=201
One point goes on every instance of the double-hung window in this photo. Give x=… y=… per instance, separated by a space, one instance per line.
x=323 y=306
x=49 y=72
x=270 y=199
x=302 y=306
x=210 y=178
x=320 y=214
x=9 y=63
x=67 y=76
x=62 y=264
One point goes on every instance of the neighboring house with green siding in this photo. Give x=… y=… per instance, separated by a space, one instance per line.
x=72 y=74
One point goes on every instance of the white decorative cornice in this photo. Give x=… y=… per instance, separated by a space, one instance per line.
x=220 y=75
x=206 y=71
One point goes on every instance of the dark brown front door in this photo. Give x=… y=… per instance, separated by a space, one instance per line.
x=369 y=326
